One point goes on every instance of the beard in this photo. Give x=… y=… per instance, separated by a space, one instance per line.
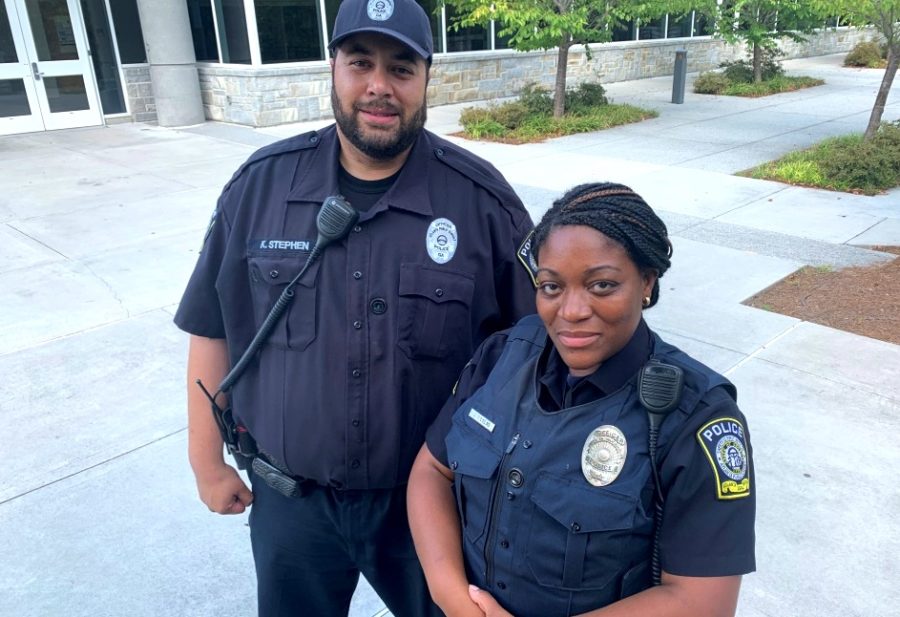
x=377 y=144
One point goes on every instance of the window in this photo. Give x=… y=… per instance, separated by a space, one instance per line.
x=203 y=30
x=127 y=23
x=655 y=29
x=679 y=26
x=233 y=38
x=466 y=39
x=289 y=30
x=103 y=56
x=624 y=31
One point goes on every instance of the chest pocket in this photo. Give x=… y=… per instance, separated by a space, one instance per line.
x=473 y=460
x=434 y=311
x=580 y=537
x=269 y=277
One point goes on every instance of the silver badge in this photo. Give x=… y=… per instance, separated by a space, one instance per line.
x=603 y=455
x=441 y=240
x=380 y=10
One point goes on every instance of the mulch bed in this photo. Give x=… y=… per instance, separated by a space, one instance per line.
x=863 y=300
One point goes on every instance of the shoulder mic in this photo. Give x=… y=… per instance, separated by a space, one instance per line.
x=335 y=220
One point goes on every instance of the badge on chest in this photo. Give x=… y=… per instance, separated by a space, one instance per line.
x=603 y=455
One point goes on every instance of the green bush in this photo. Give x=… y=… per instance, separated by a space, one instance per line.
x=867 y=165
x=867 y=54
x=711 y=82
x=782 y=83
x=536 y=99
x=585 y=97
x=741 y=71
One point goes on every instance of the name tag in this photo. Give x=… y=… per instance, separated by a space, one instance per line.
x=480 y=419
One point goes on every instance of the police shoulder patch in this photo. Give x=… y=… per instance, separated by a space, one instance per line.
x=725 y=445
x=526 y=257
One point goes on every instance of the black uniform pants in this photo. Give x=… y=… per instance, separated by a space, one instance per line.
x=310 y=550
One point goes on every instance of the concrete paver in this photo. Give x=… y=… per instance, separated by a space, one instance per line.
x=99 y=229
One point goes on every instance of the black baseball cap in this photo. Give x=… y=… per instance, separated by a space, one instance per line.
x=403 y=20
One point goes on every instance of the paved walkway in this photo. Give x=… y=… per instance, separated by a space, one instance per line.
x=99 y=229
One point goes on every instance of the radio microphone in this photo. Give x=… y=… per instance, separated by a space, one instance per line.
x=335 y=220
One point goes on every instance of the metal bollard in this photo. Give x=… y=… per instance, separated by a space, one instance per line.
x=680 y=76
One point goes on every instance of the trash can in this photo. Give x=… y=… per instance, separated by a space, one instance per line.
x=680 y=76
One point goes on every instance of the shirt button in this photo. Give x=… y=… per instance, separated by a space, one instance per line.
x=378 y=306
x=439 y=292
x=510 y=495
x=314 y=139
x=576 y=527
x=454 y=464
x=527 y=444
x=357 y=228
x=501 y=585
x=355 y=423
x=356 y=372
x=357 y=275
x=504 y=544
x=354 y=463
x=439 y=152
x=357 y=324
x=273 y=274
x=515 y=477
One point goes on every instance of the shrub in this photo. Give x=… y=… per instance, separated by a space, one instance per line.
x=867 y=54
x=510 y=115
x=585 y=97
x=741 y=71
x=536 y=99
x=711 y=82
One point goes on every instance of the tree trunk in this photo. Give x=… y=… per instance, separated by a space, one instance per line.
x=559 y=88
x=757 y=63
x=893 y=60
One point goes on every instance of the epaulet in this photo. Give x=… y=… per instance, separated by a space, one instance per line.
x=304 y=141
x=530 y=328
x=480 y=172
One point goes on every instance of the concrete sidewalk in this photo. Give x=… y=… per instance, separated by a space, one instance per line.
x=99 y=230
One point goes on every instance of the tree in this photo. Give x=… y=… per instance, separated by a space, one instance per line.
x=760 y=23
x=884 y=15
x=546 y=24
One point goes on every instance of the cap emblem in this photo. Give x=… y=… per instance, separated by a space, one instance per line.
x=380 y=10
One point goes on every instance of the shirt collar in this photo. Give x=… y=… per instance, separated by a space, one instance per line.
x=609 y=377
x=317 y=176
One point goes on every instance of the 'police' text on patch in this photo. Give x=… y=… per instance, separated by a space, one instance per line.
x=725 y=446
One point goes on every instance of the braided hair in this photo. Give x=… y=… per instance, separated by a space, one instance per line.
x=619 y=214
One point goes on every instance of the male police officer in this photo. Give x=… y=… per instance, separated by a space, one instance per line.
x=352 y=374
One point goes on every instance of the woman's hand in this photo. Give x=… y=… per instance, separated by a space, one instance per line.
x=487 y=603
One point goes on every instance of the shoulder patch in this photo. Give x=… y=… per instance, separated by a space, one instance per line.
x=725 y=446
x=526 y=257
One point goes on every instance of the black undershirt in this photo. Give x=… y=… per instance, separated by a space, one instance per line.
x=363 y=194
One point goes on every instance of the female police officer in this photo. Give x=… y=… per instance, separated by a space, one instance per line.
x=548 y=449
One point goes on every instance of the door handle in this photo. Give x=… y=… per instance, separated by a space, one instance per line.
x=34 y=70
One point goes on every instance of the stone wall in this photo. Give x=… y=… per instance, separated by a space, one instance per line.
x=277 y=95
x=139 y=92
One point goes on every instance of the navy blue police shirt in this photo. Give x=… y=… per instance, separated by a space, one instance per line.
x=702 y=533
x=344 y=388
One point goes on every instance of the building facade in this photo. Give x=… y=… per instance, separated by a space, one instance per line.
x=69 y=63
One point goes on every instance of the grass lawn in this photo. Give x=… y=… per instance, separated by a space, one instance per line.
x=537 y=127
x=847 y=164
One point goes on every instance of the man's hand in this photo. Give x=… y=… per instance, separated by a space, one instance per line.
x=223 y=491
x=487 y=603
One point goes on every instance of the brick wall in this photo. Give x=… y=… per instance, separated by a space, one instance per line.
x=139 y=92
x=277 y=95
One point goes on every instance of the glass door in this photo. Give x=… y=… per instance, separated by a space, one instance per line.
x=19 y=108
x=53 y=55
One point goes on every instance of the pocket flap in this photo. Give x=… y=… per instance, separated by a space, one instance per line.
x=582 y=509
x=281 y=270
x=470 y=454
x=437 y=284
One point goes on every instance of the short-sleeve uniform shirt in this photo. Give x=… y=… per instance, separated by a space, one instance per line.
x=343 y=389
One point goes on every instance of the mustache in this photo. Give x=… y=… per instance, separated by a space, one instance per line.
x=379 y=107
